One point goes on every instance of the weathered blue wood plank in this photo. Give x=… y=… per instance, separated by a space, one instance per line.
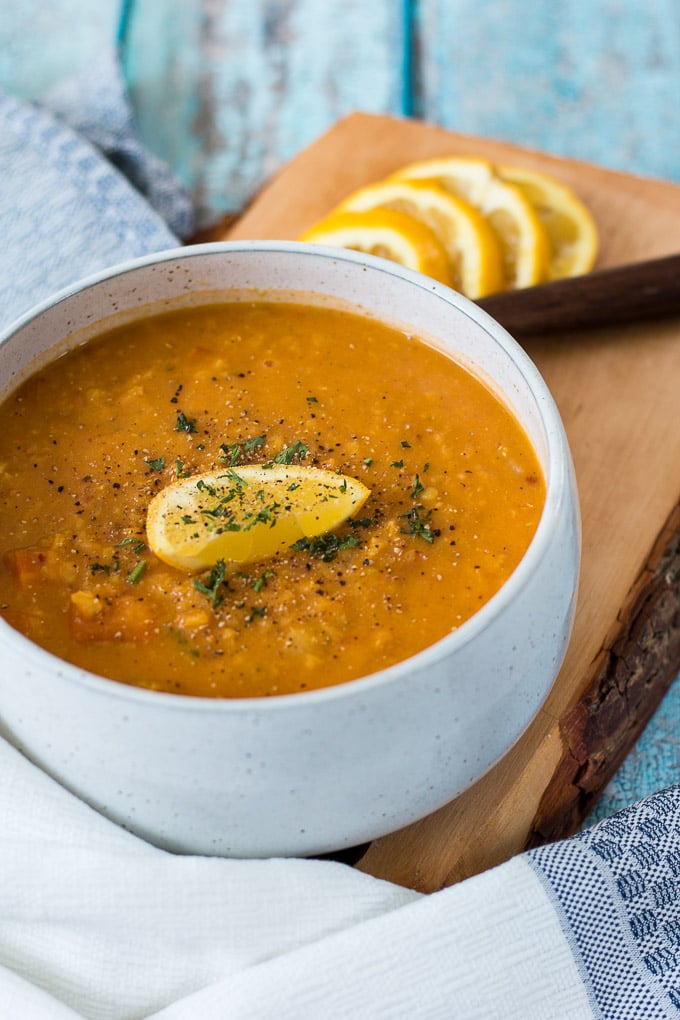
x=166 y=68
x=597 y=81
x=227 y=91
x=43 y=41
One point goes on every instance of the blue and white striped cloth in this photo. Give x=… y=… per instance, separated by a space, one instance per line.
x=95 y=923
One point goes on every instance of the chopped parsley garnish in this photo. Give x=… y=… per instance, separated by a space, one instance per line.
x=361 y=522
x=184 y=424
x=232 y=453
x=262 y=581
x=183 y=641
x=250 y=445
x=367 y=461
x=397 y=464
x=237 y=480
x=312 y=400
x=289 y=454
x=136 y=545
x=157 y=464
x=222 y=510
x=405 y=444
x=325 y=547
x=418 y=520
x=213 y=583
x=137 y=572
x=267 y=515
x=418 y=487
x=205 y=487
x=255 y=611
x=179 y=469
x=95 y=568
x=418 y=523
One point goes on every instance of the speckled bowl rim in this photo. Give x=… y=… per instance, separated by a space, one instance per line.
x=557 y=475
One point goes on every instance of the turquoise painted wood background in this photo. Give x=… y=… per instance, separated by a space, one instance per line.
x=228 y=90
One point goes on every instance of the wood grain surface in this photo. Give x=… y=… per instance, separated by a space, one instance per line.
x=616 y=389
x=635 y=292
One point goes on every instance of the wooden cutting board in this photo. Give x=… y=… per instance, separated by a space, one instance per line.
x=617 y=390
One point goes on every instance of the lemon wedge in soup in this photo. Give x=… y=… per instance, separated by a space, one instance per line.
x=248 y=513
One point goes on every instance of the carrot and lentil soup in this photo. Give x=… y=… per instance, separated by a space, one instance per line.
x=456 y=493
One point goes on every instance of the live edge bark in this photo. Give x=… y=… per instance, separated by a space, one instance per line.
x=628 y=681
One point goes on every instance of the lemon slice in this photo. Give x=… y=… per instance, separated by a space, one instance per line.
x=522 y=236
x=386 y=232
x=246 y=514
x=571 y=229
x=472 y=247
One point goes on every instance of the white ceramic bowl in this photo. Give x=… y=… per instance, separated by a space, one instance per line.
x=329 y=769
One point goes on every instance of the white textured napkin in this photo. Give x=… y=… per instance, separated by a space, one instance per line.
x=94 y=923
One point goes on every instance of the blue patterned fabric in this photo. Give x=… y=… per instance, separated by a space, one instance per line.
x=95 y=105
x=616 y=888
x=65 y=211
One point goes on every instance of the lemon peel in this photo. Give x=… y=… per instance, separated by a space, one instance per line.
x=389 y=233
x=571 y=229
x=471 y=245
x=521 y=234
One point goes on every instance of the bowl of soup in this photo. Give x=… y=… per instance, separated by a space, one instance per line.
x=290 y=545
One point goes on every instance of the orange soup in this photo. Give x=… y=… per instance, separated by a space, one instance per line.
x=456 y=493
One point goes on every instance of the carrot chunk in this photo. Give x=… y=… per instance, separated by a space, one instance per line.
x=30 y=566
x=126 y=618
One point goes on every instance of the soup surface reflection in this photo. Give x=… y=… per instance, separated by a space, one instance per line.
x=456 y=495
